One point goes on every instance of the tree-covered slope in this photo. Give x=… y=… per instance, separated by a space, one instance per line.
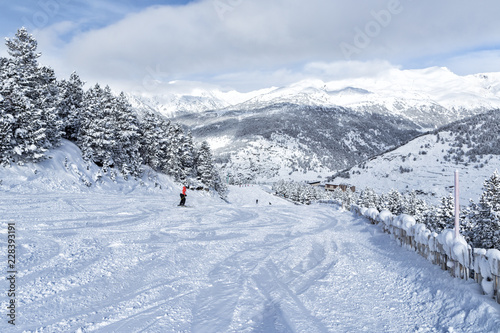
x=284 y=138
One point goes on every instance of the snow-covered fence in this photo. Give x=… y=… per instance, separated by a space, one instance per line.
x=487 y=271
x=449 y=252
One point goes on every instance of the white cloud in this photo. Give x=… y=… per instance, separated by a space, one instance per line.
x=475 y=62
x=250 y=43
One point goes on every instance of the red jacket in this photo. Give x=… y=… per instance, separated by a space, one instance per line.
x=184 y=190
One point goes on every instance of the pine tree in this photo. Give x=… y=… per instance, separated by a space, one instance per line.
x=126 y=151
x=172 y=150
x=445 y=215
x=28 y=100
x=382 y=202
x=97 y=127
x=279 y=187
x=150 y=134
x=5 y=138
x=70 y=105
x=5 y=119
x=187 y=155
x=491 y=193
x=48 y=98
x=368 y=198
x=394 y=202
x=414 y=206
x=167 y=154
x=109 y=133
x=204 y=165
x=466 y=222
x=430 y=218
x=487 y=215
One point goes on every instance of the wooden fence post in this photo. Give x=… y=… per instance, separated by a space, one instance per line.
x=496 y=280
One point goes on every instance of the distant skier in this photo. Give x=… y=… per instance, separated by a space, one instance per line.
x=183 y=196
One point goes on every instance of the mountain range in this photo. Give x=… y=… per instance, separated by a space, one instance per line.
x=312 y=128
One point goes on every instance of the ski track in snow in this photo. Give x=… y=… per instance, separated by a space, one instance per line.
x=123 y=263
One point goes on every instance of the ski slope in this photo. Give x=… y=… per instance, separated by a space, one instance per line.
x=113 y=262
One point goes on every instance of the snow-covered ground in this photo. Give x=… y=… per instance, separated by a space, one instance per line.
x=132 y=261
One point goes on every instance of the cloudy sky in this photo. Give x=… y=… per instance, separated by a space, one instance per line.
x=146 y=45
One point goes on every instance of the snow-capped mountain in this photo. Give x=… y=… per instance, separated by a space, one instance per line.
x=312 y=127
x=172 y=104
x=429 y=97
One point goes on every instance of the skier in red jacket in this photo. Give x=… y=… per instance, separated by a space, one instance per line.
x=183 y=196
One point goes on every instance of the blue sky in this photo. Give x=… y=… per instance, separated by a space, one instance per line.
x=250 y=44
x=39 y=14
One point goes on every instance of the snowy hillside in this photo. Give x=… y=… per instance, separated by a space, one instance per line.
x=66 y=171
x=104 y=259
x=287 y=139
x=428 y=163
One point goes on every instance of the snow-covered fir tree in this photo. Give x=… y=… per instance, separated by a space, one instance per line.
x=368 y=198
x=48 y=99
x=126 y=152
x=414 y=206
x=486 y=215
x=381 y=203
x=491 y=193
x=443 y=216
x=187 y=155
x=95 y=135
x=304 y=193
x=446 y=212
x=109 y=132
x=29 y=95
x=70 y=105
x=36 y=111
x=5 y=138
x=5 y=120
x=172 y=152
x=151 y=133
x=204 y=168
x=394 y=202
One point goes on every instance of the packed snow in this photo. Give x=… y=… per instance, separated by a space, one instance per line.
x=119 y=258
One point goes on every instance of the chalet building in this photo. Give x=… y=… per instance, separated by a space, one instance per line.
x=318 y=183
x=343 y=187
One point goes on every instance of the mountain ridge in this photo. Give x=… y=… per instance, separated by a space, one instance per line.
x=430 y=97
x=322 y=127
